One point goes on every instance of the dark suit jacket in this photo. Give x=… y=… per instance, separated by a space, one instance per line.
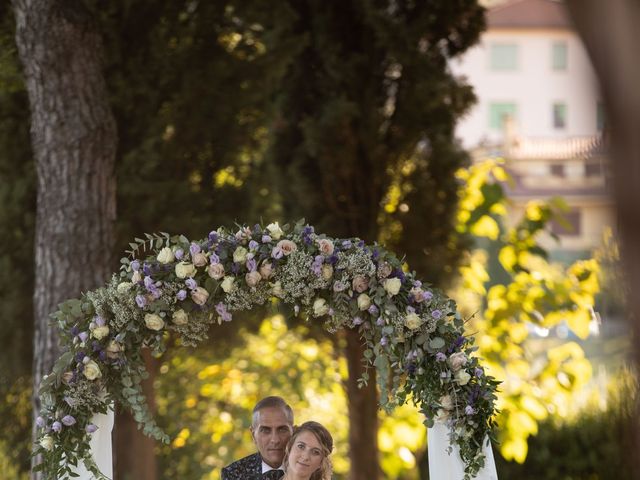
x=247 y=468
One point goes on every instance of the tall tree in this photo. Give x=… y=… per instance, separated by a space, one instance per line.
x=74 y=139
x=364 y=118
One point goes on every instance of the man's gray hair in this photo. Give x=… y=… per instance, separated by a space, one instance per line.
x=271 y=402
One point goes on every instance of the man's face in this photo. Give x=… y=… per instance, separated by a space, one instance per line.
x=271 y=435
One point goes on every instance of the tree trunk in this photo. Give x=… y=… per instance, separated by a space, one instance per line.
x=363 y=414
x=611 y=35
x=74 y=142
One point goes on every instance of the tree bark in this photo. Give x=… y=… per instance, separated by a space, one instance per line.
x=363 y=414
x=74 y=141
x=611 y=35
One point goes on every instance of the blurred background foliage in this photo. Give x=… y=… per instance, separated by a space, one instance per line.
x=276 y=125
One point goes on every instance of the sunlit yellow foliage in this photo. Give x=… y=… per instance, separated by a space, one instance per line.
x=536 y=382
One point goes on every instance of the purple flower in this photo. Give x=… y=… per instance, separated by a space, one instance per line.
x=148 y=282
x=469 y=410
x=191 y=283
x=56 y=427
x=437 y=314
x=330 y=312
x=194 y=248
x=68 y=420
x=83 y=336
x=373 y=310
x=141 y=301
x=411 y=310
x=361 y=243
x=417 y=283
x=135 y=265
x=40 y=422
x=357 y=321
x=346 y=244
x=213 y=236
x=179 y=253
x=478 y=372
x=266 y=238
x=380 y=321
x=441 y=357
x=384 y=341
x=146 y=268
x=99 y=321
x=253 y=245
x=91 y=428
x=102 y=355
x=375 y=254
x=75 y=330
x=79 y=356
x=427 y=296
x=308 y=230
x=222 y=311
x=252 y=265
x=181 y=295
x=214 y=259
x=277 y=253
x=333 y=259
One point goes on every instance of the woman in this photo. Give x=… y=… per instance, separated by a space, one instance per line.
x=307 y=453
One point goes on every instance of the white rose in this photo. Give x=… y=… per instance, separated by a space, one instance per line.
x=327 y=271
x=252 y=278
x=180 y=317
x=392 y=286
x=185 y=269
x=113 y=349
x=46 y=442
x=320 y=307
x=287 y=246
x=447 y=402
x=266 y=270
x=216 y=271
x=166 y=255
x=276 y=289
x=412 y=321
x=457 y=361
x=200 y=259
x=462 y=377
x=275 y=231
x=200 y=296
x=364 y=301
x=124 y=287
x=442 y=416
x=153 y=321
x=67 y=377
x=360 y=283
x=325 y=246
x=100 y=332
x=92 y=370
x=136 y=277
x=240 y=255
x=228 y=284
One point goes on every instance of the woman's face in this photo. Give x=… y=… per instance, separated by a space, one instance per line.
x=306 y=455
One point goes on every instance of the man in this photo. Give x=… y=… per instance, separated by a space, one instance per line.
x=271 y=429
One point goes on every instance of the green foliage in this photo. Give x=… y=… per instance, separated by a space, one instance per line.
x=535 y=292
x=15 y=427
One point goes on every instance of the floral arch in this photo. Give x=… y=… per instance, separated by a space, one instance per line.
x=413 y=334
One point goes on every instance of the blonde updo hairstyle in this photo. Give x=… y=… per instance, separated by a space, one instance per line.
x=326 y=441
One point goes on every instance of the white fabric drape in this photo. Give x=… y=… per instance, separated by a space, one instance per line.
x=100 y=447
x=443 y=466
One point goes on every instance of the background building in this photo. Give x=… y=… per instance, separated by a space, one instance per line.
x=540 y=109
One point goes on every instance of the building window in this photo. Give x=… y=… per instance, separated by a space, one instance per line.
x=557 y=169
x=600 y=116
x=569 y=226
x=593 y=169
x=504 y=57
x=559 y=56
x=559 y=115
x=500 y=113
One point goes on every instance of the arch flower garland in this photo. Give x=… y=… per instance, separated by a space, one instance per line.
x=414 y=335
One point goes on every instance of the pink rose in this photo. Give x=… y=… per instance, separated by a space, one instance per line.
x=384 y=270
x=325 y=246
x=216 y=271
x=200 y=259
x=252 y=278
x=200 y=296
x=457 y=361
x=360 y=283
x=266 y=270
x=286 y=247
